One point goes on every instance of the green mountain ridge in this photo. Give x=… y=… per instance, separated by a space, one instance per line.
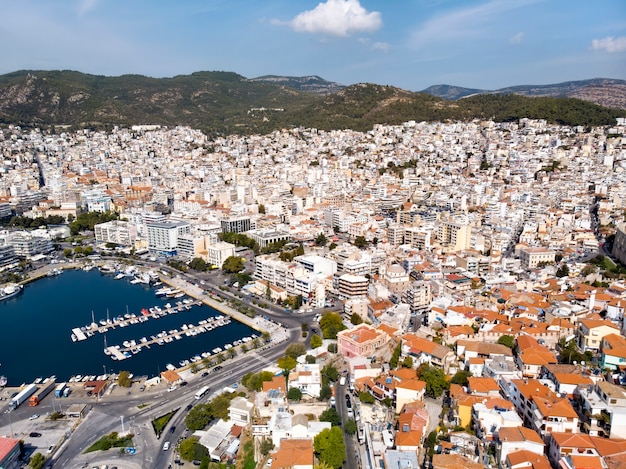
x=220 y=103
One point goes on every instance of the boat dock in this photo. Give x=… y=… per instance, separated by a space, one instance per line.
x=78 y=335
x=128 y=319
x=131 y=347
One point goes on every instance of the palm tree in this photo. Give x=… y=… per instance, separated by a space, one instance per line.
x=255 y=343
x=232 y=352
x=244 y=348
x=266 y=336
x=194 y=367
x=206 y=362
x=219 y=357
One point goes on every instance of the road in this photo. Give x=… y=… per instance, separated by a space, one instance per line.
x=352 y=446
x=111 y=412
x=106 y=415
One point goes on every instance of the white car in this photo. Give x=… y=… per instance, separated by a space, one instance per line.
x=166 y=446
x=33 y=417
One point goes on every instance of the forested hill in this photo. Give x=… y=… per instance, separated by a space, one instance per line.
x=224 y=102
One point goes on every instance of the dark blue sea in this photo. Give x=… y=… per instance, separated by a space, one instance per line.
x=36 y=325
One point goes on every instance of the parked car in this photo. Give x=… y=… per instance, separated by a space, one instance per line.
x=34 y=434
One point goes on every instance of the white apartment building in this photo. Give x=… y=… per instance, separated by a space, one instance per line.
x=163 y=236
x=190 y=245
x=217 y=253
x=531 y=257
x=116 y=231
x=352 y=286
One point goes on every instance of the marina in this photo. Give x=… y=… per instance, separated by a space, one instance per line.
x=155 y=312
x=58 y=305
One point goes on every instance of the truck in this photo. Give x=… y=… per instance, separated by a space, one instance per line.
x=42 y=392
x=58 y=392
x=22 y=396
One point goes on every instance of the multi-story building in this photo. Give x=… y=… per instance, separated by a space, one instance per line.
x=361 y=341
x=603 y=409
x=236 y=224
x=531 y=257
x=116 y=231
x=454 y=235
x=190 y=245
x=266 y=237
x=352 y=286
x=163 y=236
x=217 y=253
x=26 y=245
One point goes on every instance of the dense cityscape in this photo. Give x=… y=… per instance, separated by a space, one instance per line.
x=425 y=295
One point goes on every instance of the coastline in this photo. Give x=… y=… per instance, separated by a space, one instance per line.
x=257 y=323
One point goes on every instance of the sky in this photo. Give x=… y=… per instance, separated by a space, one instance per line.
x=411 y=44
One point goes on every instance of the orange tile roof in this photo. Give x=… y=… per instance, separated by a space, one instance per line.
x=482 y=385
x=519 y=434
x=294 y=452
x=525 y=457
x=410 y=438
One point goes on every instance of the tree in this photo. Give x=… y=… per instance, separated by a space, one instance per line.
x=198 y=417
x=350 y=427
x=295 y=350
x=366 y=398
x=316 y=341
x=330 y=415
x=360 y=242
x=356 y=319
x=37 y=461
x=325 y=392
x=507 y=340
x=435 y=379
x=261 y=209
x=310 y=359
x=461 y=377
x=188 y=449
x=562 y=271
x=294 y=394
x=232 y=265
x=198 y=264
x=330 y=373
x=407 y=362
x=266 y=446
x=331 y=323
x=123 y=379
x=395 y=356
x=287 y=364
x=321 y=240
x=330 y=447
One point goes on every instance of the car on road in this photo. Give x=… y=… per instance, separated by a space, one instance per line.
x=189 y=406
x=206 y=373
x=34 y=434
x=33 y=417
x=217 y=368
x=172 y=428
x=184 y=383
x=171 y=388
x=166 y=446
x=50 y=449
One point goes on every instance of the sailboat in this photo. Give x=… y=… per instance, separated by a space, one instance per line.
x=106 y=349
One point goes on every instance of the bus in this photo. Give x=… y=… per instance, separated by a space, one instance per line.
x=202 y=392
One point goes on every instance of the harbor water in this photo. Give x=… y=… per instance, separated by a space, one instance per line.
x=36 y=328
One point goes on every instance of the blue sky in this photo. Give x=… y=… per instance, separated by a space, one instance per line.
x=411 y=44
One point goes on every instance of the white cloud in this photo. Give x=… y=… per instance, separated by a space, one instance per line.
x=337 y=18
x=610 y=44
x=516 y=38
